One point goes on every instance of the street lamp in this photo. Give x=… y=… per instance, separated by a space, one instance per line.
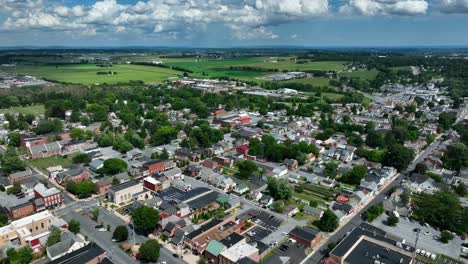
x=417 y=230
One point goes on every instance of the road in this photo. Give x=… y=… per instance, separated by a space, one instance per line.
x=356 y=219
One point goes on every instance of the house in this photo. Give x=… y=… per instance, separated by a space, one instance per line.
x=215 y=229
x=103 y=185
x=266 y=200
x=173 y=174
x=280 y=171
x=420 y=183
x=307 y=236
x=292 y=164
x=188 y=153
x=256 y=195
x=291 y=210
x=134 y=154
x=192 y=170
x=241 y=189
x=44 y=150
x=313 y=211
x=89 y=254
x=53 y=171
x=243 y=149
x=77 y=174
x=213 y=250
x=20 y=210
x=69 y=242
x=125 y=192
x=181 y=185
x=225 y=183
x=52 y=197
x=211 y=164
x=152 y=184
x=153 y=166
x=20 y=176
x=96 y=164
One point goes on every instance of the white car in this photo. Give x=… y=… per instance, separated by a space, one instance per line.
x=418 y=250
x=423 y=252
x=428 y=254
x=102 y=229
x=433 y=256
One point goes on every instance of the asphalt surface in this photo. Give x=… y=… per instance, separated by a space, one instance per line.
x=356 y=220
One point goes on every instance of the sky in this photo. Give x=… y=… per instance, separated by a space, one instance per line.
x=233 y=23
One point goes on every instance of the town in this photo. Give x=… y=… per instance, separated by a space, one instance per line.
x=212 y=170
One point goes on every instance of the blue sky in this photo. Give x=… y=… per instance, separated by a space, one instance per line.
x=229 y=23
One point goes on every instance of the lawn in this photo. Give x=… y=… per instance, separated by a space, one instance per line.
x=362 y=74
x=43 y=164
x=87 y=73
x=332 y=96
x=33 y=109
x=314 y=81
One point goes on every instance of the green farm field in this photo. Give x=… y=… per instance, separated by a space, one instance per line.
x=33 y=109
x=87 y=73
x=362 y=74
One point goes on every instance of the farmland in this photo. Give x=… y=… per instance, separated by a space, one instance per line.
x=87 y=73
x=362 y=74
x=33 y=109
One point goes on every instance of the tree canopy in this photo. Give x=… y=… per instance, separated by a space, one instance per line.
x=145 y=219
x=279 y=189
x=149 y=250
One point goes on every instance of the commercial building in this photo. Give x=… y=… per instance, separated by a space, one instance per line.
x=125 y=192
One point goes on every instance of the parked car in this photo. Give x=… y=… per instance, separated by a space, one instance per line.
x=102 y=229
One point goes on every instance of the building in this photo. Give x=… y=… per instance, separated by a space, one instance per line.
x=103 y=185
x=20 y=176
x=367 y=244
x=153 y=166
x=89 y=254
x=152 y=184
x=20 y=210
x=68 y=243
x=44 y=150
x=75 y=174
x=125 y=192
x=307 y=236
x=239 y=251
x=51 y=197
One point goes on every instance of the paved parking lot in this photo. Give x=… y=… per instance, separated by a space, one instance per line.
x=264 y=219
x=258 y=233
x=427 y=238
x=296 y=253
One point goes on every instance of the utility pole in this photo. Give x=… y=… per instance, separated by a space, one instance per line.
x=417 y=230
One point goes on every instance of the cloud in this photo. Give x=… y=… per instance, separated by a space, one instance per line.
x=385 y=7
x=452 y=6
x=246 y=18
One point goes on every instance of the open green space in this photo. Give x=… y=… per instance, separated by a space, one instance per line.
x=87 y=73
x=362 y=74
x=43 y=164
x=33 y=109
x=315 y=81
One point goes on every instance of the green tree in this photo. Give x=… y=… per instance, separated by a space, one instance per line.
x=445 y=236
x=15 y=189
x=14 y=139
x=246 y=169
x=120 y=233
x=81 y=158
x=10 y=161
x=331 y=169
x=460 y=189
x=355 y=175
x=3 y=219
x=164 y=135
x=392 y=220
x=149 y=250
x=23 y=256
x=373 y=212
x=74 y=226
x=145 y=219
x=255 y=147
x=95 y=214
x=82 y=189
x=421 y=168
x=329 y=222
x=80 y=134
x=398 y=156
x=164 y=154
x=278 y=206
x=113 y=166
x=457 y=156
x=279 y=189
x=55 y=236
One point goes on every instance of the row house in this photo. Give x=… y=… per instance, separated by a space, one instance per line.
x=44 y=150
x=153 y=167
x=103 y=185
x=51 y=197
x=20 y=210
x=75 y=174
x=152 y=184
x=20 y=176
x=188 y=153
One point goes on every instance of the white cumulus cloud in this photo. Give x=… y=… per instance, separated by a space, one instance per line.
x=386 y=7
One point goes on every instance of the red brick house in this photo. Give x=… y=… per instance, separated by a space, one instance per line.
x=152 y=184
x=244 y=149
x=20 y=176
x=211 y=164
x=21 y=210
x=75 y=174
x=103 y=185
x=154 y=166
x=307 y=236
x=52 y=197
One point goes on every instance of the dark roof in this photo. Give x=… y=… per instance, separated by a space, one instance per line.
x=306 y=233
x=342 y=207
x=203 y=201
x=178 y=196
x=232 y=239
x=124 y=186
x=367 y=252
x=80 y=256
x=262 y=247
x=204 y=228
x=362 y=230
x=106 y=261
x=152 y=162
x=246 y=260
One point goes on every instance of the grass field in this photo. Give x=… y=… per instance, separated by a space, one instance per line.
x=315 y=81
x=365 y=75
x=87 y=73
x=43 y=164
x=33 y=109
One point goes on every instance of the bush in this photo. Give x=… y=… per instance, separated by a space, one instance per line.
x=445 y=236
x=74 y=226
x=373 y=212
x=120 y=233
x=392 y=220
